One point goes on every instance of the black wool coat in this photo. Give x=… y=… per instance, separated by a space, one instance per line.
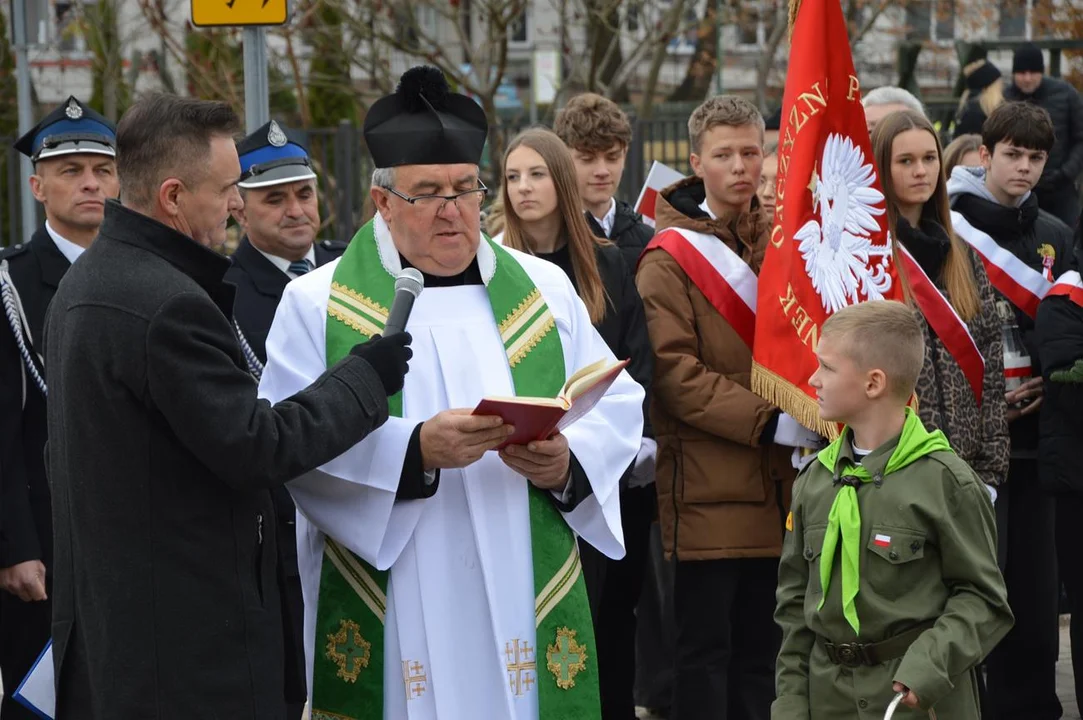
x=160 y=458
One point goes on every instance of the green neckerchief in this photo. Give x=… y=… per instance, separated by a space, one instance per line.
x=348 y=663
x=845 y=517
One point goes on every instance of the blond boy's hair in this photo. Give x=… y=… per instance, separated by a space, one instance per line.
x=884 y=335
x=728 y=110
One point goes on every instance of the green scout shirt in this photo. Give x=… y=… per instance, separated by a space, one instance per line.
x=928 y=541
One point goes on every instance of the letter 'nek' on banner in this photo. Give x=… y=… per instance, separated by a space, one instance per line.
x=829 y=247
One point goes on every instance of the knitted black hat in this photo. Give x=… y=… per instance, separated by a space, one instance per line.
x=1028 y=58
x=982 y=77
x=424 y=123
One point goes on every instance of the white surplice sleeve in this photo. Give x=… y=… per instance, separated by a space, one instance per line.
x=351 y=498
x=606 y=440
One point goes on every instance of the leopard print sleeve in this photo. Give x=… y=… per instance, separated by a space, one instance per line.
x=991 y=462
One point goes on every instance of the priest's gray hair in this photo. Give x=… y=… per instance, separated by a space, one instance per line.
x=891 y=95
x=383 y=177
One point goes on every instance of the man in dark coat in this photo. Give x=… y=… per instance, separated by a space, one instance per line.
x=160 y=454
x=1058 y=189
x=280 y=219
x=74 y=173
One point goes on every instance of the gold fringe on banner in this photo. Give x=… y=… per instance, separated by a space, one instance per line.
x=776 y=390
x=795 y=5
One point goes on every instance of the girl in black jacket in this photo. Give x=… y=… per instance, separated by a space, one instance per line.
x=543 y=217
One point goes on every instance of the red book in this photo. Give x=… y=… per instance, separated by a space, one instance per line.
x=538 y=418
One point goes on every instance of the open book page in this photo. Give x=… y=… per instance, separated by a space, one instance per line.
x=583 y=378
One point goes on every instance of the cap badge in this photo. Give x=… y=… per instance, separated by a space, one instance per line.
x=73 y=111
x=275 y=136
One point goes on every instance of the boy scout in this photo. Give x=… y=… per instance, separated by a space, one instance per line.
x=888 y=580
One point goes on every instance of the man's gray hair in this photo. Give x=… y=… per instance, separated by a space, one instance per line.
x=891 y=95
x=383 y=177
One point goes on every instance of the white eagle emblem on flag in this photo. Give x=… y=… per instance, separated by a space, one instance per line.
x=838 y=251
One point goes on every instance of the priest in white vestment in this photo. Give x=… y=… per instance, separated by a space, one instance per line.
x=441 y=577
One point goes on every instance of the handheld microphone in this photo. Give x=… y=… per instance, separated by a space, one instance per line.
x=408 y=285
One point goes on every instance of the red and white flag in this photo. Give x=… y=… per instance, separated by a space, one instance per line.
x=1069 y=285
x=829 y=247
x=658 y=179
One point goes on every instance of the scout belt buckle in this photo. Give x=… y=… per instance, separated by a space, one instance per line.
x=849 y=655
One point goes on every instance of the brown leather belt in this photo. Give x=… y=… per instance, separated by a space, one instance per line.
x=856 y=654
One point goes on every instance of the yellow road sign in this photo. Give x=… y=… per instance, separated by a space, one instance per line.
x=217 y=13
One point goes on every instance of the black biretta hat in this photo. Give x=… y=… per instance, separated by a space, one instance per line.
x=424 y=123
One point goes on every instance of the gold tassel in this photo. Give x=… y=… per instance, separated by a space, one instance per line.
x=795 y=5
x=776 y=390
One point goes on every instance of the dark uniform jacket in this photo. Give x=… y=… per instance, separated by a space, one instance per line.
x=160 y=457
x=26 y=533
x=26 y=529
x=259 y=289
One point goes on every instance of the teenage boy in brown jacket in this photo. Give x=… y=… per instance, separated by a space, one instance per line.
x=723 y=478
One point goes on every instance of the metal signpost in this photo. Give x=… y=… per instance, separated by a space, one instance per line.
x=28 y=206
x=253 y=16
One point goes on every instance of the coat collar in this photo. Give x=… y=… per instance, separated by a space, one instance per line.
x=267 y=278
x=125 y=225
x=52 y=262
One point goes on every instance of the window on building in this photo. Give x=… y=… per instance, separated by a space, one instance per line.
x=466 y=12
x=930 y=20
x=945 y=20
x=517 y=28
x=631 y=16
x=406 y=28
x=755 y=20
x=1013 y=19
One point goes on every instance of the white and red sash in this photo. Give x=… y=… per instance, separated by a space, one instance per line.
x=1017 y=281
x=721 y=275
x=946 y=323
x=1069 y=285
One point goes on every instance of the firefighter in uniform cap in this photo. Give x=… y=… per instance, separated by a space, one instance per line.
x=74 y=173
x=280 y=219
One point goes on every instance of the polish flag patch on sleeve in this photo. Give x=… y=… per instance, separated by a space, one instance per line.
x=882 y=540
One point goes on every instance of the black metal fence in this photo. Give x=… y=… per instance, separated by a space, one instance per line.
x=345 y=169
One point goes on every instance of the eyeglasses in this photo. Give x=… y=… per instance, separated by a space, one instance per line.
x=471 y=199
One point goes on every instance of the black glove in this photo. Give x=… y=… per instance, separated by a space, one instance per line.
x=388 y=356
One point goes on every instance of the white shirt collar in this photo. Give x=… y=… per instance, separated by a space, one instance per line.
x=283 y=264
x=706 y=208
x=606 y=222
x=66 y=247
